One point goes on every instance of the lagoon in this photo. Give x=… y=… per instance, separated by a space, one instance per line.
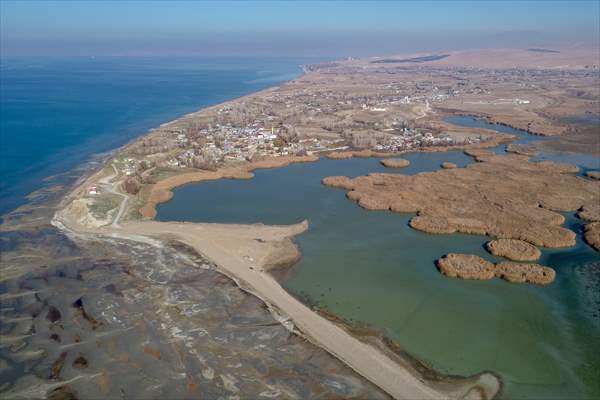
x=371 y=267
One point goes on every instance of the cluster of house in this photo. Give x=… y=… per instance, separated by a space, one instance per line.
x=239 y=144
x=229 y=143
x=330 y=101
x=130 y=166
x=240 y=135
x=93 y=190
x=412 y=139
x=226 y=142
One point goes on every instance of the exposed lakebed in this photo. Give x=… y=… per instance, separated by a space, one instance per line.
x=371 y=267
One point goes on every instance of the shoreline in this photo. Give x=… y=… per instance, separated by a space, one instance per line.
x=401 y=379
x=393 y=373
x=483 y=385
x=162 y=191
x=400 y=372
x=248 y=255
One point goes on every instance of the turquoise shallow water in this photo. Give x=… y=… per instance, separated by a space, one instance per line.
x=371 y=267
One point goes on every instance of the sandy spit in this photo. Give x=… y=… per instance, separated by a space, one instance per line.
x=245 y=253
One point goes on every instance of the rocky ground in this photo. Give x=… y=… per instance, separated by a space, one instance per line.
x=107 y=317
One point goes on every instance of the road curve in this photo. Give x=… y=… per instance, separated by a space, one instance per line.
x=112 y=188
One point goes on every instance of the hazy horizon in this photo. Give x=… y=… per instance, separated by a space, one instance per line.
x=334 y=29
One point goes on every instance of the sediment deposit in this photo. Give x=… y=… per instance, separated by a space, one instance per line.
x=110 y=317
x=593 y=174
x=395 y=162
x=448 y=165
x=512 y=249
x=245 y=253
x=592 y=235
x=340 y=155
x=344 y=155
x=504 y=196
x=522 y=149
x=468 y=266
x=465 y=266
x=590 y=212
x=525 y=273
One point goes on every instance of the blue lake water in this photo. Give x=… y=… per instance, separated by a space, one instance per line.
x=522 y=137
x=371 y=267
x=585 y=162
x=55 y=113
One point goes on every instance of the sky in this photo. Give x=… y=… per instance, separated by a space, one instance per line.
x=274 y=28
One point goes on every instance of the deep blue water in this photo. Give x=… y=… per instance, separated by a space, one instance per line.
x=56 y=113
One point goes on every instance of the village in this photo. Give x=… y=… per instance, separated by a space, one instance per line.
x=366 y=106
x=299 y=119
x=229 y=143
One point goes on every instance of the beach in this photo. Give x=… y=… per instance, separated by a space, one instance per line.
x=254 y=247
x=184 y=151
x=246 y=254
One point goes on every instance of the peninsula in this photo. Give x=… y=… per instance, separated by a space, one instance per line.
x=379 y=107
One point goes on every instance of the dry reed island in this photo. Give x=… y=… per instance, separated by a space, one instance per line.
x=379 y=107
